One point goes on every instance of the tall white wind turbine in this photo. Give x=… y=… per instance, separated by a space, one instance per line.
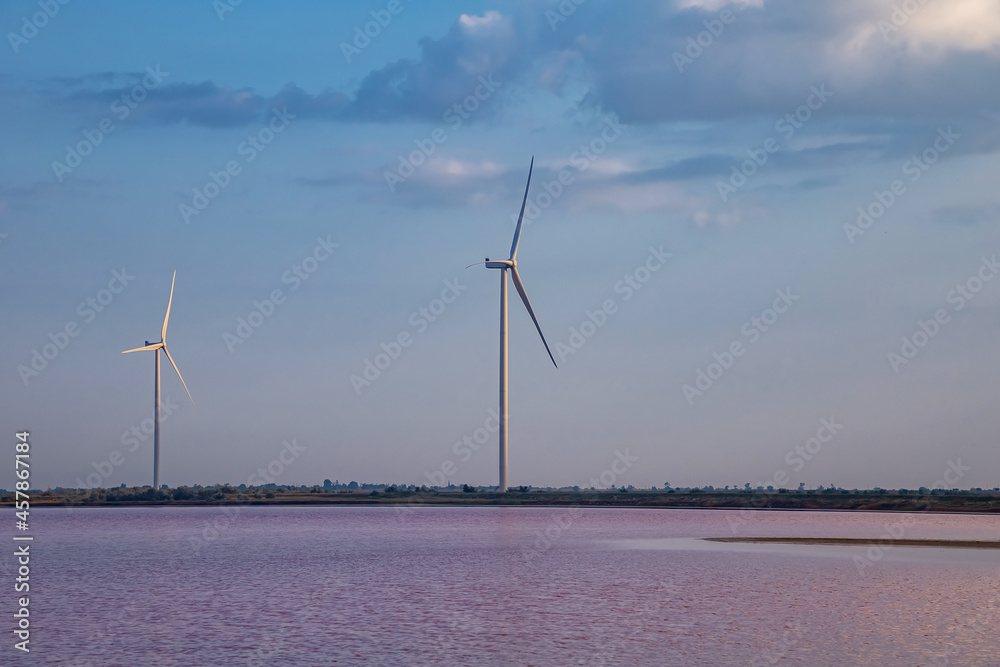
x=505 y=266
x=155 y=348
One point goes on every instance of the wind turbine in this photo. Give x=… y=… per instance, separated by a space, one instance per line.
x=504 y=266
x=156 y=347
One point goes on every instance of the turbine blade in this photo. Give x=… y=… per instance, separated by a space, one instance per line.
x=154 y=346
x=520 y=218
x=171 y=359
x=519 y=286
x=166 y=318
x=476 y=264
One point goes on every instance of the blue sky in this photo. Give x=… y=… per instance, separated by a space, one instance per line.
x=741 y=138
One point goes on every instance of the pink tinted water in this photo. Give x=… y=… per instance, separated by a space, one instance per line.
x=502 y=586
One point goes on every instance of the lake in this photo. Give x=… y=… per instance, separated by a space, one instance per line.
x=502 y=586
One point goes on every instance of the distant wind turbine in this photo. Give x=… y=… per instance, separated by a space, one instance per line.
x=156 y=347
x=511 y=266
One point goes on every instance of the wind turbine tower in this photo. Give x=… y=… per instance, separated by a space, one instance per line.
x=155 y=348
x=510 y=266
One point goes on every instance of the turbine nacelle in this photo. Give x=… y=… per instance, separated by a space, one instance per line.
x=500 y=264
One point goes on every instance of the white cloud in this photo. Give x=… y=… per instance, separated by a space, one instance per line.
x=601 y=168
x=716 y=5
x=813 y=141
x=963 y=25
x=472 y=23
x=931 y=28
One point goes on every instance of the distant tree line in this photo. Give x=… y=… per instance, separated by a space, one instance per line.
x=229 y=492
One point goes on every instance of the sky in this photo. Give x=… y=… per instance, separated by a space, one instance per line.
x=760 y=240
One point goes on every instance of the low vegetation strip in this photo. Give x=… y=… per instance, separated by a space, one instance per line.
x=909 y=502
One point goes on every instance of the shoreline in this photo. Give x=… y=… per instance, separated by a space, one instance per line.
x=858 y=541
x=417 y=506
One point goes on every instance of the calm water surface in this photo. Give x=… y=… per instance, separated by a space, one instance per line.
x=502 y=586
